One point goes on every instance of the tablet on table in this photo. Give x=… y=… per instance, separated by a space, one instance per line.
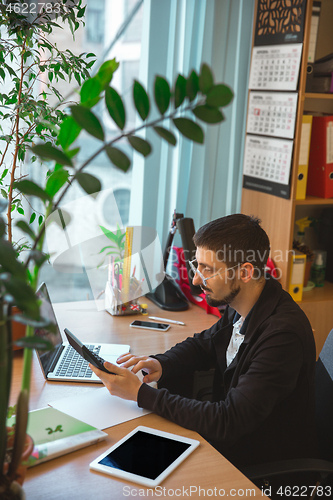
x=145 y=456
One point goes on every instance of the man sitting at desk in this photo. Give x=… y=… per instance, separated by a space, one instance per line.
x=262 y=349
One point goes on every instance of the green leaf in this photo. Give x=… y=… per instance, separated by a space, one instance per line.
x=21 y=224
x=117 y=237
x=90 y=91
x=118 y=158
x=109 y=234
x=89 y=183
x=55 y=182
x=62 y=221
x=9 y=263
x=39 y=257
x=2 y=228
x=166 y=135
x=107 y=248
x=4 y=173
x=23 y=295
x=208 y=114
x=115 y=107
x=32 y=189
x=51 y=153
x=88 y=121
x=77 y=77
x=73 y=152
x=189 y=129
x=192 y=86
x=34 y=342
x=219 y=95
x=206 y=80
x=180 y=91
x=36 y=323
x=141 y=100
x=32 y=218
x=105 y=72
x=140 y=145
x=162 y=94
x=81 y=14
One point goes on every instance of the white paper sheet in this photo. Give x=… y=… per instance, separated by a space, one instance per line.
x=99 y=408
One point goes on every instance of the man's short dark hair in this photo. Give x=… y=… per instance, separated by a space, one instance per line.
x=236 y=239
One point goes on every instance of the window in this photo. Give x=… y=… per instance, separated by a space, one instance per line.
x=133 y=32
x=129 y=72
x=95 y=20
x=103 y=20
x=122 y=197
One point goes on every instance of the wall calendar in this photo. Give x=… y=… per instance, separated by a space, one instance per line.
x=272 y=113
x=275 y=67
x=267 y=163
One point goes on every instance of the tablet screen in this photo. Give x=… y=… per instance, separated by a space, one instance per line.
x=146 y=455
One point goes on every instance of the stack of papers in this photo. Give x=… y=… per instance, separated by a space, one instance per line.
x=99 y=408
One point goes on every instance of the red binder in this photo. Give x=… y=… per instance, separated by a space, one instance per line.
x=320 y=171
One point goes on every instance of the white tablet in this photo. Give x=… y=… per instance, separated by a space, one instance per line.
x=145 y=456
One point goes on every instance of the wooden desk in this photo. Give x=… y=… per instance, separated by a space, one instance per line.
x=69 y=477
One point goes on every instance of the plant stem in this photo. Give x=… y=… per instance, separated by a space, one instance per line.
x=27 y=361
x=16 y=150
x=5 y=377
x=6 y=148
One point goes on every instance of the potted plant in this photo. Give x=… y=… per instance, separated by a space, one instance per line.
x=30 y=66
x=27 y=60
x=117 y=246
x=15 y=288
x=26 y=55
x=197 y=94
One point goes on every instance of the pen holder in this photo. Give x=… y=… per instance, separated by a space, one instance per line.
x=114 y=304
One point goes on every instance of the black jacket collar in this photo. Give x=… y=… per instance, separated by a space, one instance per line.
x=262 y=309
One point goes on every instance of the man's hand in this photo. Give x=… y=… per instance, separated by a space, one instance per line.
x=123 y=384
x=150 y=366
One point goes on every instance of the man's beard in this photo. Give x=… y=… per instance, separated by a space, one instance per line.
x=226 y=300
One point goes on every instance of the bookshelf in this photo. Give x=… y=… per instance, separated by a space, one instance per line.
x=278 y=215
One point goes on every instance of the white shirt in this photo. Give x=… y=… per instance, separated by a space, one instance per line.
x=235 y=341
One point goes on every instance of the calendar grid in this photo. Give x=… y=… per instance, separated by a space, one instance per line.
x=268 y=160
x=275 y=67
x=272 y=113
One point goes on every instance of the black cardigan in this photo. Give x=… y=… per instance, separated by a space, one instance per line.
x=263 y=403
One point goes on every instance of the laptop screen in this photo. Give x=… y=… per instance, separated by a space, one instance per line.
x=46 y=311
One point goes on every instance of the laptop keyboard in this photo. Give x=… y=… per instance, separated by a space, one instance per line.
x=73 y=365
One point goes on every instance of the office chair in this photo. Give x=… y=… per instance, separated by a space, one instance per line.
x=323 y=467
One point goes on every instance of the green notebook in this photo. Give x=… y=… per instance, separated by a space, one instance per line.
x=55 y=433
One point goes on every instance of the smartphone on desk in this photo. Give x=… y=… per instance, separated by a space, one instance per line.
x=149 y=325
x=83 y=350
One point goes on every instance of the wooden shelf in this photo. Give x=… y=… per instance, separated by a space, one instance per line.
x=318 y=96
x=324 y=293
x=277 y=214
x=313 y=200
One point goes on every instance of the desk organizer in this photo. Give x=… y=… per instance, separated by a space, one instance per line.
x=115 y=305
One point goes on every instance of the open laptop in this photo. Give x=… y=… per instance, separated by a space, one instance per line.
x=63 y=363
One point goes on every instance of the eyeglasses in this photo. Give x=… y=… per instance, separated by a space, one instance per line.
x=203 y=279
